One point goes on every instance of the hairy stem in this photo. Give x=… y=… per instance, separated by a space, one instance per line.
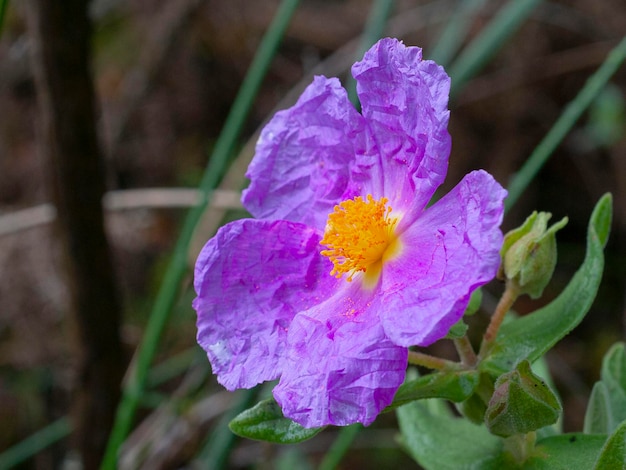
x=466 y=351
x=504 y=305
x=431 y=362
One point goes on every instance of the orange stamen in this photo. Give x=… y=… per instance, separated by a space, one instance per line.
x=357 y=234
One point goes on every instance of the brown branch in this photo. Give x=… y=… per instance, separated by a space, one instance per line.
x=61 y=34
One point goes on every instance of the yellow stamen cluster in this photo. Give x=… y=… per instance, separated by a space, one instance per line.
x=357 y=234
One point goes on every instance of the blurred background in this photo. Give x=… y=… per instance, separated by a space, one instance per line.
x=165 y=76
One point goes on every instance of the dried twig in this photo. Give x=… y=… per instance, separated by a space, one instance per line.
x=154 y=198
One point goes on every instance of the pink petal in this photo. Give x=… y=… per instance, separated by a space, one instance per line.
x=404 y=101
x=251 y=279
x=452 y=249
x=341 y=368
x=301 y=168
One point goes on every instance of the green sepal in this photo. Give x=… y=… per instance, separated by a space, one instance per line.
x=453 y=386
x=521 y=403
x=540 y=367
x=515 y=235
x=476 y=299
x=459 y=329
x=265 y=422
x=531 y=336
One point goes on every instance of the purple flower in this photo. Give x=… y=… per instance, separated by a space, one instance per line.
x=344 y=267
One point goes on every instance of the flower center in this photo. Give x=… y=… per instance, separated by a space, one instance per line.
x=357 y=234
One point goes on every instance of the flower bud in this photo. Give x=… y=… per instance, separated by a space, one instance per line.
x=521 y=403
x=529 y=254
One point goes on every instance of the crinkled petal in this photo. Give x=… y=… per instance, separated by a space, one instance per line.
x=301 y=168
x=251 y=279
x=452 y=249
x=341 y=368
x=404 y=100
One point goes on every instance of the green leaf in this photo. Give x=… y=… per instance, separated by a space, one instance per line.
x=601 y=218
x=265 y=422
x=607 y=404
x=453 y=386
x=614 y=379
x=566 y=452
x=613 y=454
x=531 y=336
x=614 y=366
x=438 y=440
x=598 y=418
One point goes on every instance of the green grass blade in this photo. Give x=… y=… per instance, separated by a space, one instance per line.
x=340 y=447
x=177 y=267
x=215 y=453
x=33 y=444
x=490 y=40
x=374 y=29
x=564 y=124
x=3 y=11
x=455 y=31
x=173 y=366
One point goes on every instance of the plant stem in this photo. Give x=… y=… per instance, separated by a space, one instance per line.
x=506 y=302
x=420 y=359
x=466 y=351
